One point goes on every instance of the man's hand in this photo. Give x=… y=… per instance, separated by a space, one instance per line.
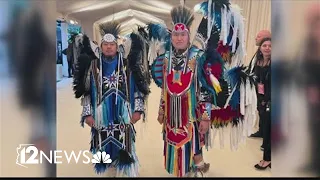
x=136 y=116
x=160 y=118
x=204 y=127
x=90 y=121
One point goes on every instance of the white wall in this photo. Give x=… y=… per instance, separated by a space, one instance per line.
x=87 y=28
x=64 y=39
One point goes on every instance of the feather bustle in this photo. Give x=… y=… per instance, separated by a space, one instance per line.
x=142 y=76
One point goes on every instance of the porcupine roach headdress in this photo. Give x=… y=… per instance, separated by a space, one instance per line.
x=182 y=18
x=110 y=31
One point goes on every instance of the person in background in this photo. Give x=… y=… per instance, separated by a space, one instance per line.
x=261 y=35
x=69 y=53
x=262 y=70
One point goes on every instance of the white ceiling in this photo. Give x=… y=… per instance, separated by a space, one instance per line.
x=128 y=12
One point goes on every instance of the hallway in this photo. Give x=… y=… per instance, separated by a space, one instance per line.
x=149 y=144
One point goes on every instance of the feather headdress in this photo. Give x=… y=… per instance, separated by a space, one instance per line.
x=182 y=18
x=110 y=31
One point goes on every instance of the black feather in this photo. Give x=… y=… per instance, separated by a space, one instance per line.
x=202 y=29
x=110 y=27
x=182 y=14
x=224 y=94
x=244 y=73
x=86 y=47
x=80 y=74
x=124 y=158
x=218 y=4
x=215 y=34
x=143 y=32
x=135 y=61
x=82 y=66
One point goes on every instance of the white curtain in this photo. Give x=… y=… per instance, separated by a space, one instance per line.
x=257 y=16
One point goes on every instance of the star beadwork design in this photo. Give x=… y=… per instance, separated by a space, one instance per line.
x=111 y=80
x=110 y=129
x=121 y=126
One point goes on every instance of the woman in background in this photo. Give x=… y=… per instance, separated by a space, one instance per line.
x=262 y=71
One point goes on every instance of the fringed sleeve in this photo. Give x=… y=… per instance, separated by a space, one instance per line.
x=139 y=102
x=138 y=99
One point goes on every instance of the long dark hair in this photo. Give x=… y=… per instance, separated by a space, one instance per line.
x=259 y=53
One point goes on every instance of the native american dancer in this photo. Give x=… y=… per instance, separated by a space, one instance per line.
x=204 y=84
x=113 y=89
x=176 y=73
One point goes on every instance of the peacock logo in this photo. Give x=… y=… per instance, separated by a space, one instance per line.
x=101 y=157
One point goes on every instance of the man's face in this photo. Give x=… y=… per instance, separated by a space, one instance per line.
x=109 y=48
x=261 y=35
x=180 y=40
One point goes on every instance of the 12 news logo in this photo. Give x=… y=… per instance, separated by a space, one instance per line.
x=23 y=149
